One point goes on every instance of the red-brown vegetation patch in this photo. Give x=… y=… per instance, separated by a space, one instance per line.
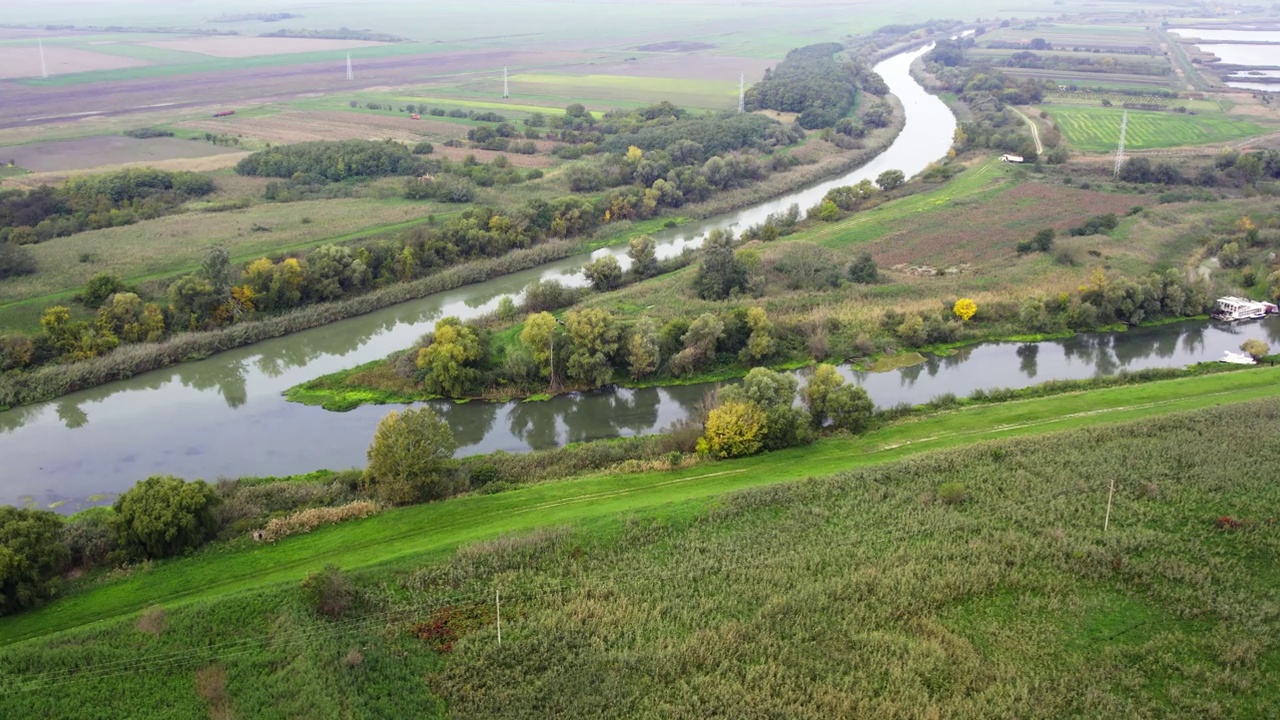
x=989 y=230
x=487 y=156
x=24 y=61
x=677 y=46
x=297 y=126
x=104 y=150
x=240 y=47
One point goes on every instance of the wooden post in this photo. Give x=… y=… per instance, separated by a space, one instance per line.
x=497 y=603
x=1107 y=523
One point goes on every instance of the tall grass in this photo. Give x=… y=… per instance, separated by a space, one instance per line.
x=856 y=595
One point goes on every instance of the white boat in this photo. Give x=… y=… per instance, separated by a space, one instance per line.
x=1236 y=358
x=1231 y=309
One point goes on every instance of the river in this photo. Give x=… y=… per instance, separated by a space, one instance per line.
x=225 y=417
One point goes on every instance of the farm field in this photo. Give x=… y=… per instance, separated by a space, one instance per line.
x=295 y=126
x=105 y=150
x=1098 y=129
x=563 y=89
x=169 y=245
x=24 y=62
x=1067 y=35
x=606 y=577
x=242 y=47
x=1124 y=81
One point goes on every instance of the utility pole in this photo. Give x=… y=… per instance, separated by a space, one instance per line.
x=1124 y=128
x=497 y=604
x=44 y=69
x=351 y=75
x=1107 y=523
x=506 y=89
x=742 y=93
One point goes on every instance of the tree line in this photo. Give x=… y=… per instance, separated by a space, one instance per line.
x=333 y=160
x=810 y=81
x=94 y=202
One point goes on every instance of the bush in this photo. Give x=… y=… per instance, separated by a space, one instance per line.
x=952 y=493
x=408 y=455
x=15 y=260
x=735 y=429
x=90 y=538
x=307 y=520
x=31 y=557
x=424 y=148
x=863 y=270
x=329 y=592
x=153 y=621
x=164 y=516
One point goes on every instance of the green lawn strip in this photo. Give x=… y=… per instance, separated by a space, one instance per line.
x=979 y=183
x=1097 y=129
x=435 y=529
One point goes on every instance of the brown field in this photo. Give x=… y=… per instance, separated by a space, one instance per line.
x=678 y=67
x=24 y=62
x=240 y=47
x=209 y=163
x=676 y=46
x=304 y=126
x=104 y=150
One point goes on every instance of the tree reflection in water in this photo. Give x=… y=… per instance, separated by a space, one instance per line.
x=1028 y=356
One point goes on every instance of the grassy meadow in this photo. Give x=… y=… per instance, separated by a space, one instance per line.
x=669 y=594
x=1098 y=129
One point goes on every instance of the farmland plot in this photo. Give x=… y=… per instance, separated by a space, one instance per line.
x=241 y=47
x=294 y=127
x=1098 y=129
x=24 y=61
x=104 y=150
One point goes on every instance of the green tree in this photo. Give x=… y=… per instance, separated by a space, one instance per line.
x=828 y=211
x=891 y=180
x=761 y=343
x=32 y=555
x=605 y=273
x=539 y=337
x=644 y=258
x=863 y=270
x=774 y=393
x=817 y=392
x=164 y=515
x=593 y=340
x=449 y=362
x=99 y=288
x=407 y=457
x=850 y=408
x=644 y=349
x=721 y=272
x=1043 y=240
x=735 y=429
x=911 y=331
x=15 y=260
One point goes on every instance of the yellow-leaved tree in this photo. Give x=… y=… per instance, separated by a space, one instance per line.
x=735 y=429
x=965 y=309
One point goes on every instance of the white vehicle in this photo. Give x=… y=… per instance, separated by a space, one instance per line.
x=1236 y=358
x=1231 y=309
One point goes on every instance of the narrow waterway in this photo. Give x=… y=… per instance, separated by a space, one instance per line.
x=225 y=416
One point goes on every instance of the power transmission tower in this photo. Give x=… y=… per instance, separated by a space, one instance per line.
x=506 y=88
x=742 y=93
x=1124 y=128
x=44 y=69
x=351 y=75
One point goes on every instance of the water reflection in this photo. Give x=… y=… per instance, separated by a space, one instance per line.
x=1028 y=355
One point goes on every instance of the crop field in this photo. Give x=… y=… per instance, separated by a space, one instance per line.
x=24 y=61
x=631 y=89
x=1068 y=36
x=671 y=583
x=242 y=47
x=1098 y=129
x=1123 y=81
x=104 y=150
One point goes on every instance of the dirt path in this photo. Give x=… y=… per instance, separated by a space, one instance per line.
x=1035 y=130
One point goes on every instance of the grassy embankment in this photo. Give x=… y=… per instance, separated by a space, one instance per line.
x=860 y=593
x=414 y=531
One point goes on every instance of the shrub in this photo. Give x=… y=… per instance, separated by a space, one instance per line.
x=407 y=457
x=735 y=429
x=354 y=658
x=31 y=556
x=1255 y=348
x=163 y=516
x=952 y=493
x=863 y=270
x=15 y=260
x=305 y=521
x=329 y=592
x=604 y=273
x=153 y=621
x=424 y=148
x=90 y=538
x=850 y=408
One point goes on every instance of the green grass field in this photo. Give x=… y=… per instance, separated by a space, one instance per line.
x=812 y=598
x=412 y=533
x=173 y=245
x=1098 y=129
